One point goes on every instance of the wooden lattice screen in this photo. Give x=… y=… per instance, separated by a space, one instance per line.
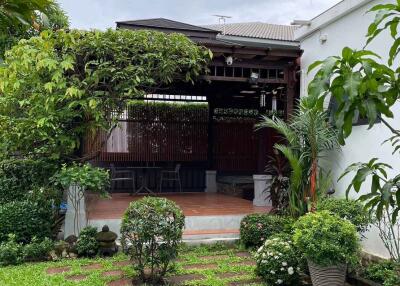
x=155 y=132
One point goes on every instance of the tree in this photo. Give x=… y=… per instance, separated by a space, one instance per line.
x=362 y=85
x=308 y=137
x=61 y=86
x=25 y=19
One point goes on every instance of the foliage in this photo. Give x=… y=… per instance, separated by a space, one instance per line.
x=383 y=272
x=255 y=229
x=348 y=209
x=327 y=240
x=153 y=227
x=61 y=86
x=85 y=176
x=308 y=136
x=20 y=178
x=361 y=85
x=279 y=169
x=389 y=232
x=37 y=250
x=87 y=244
x=47 y=16
x=26 y=219
x=10 y=252
x=277 y=262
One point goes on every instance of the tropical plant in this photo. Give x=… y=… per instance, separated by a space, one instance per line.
x=278 y=193
x=278 y=262
x=326 y=239
x=62 y=86
x=383 y=272
x=153 y=228
x=360 y=84
x=255 y=229
x=308 y=137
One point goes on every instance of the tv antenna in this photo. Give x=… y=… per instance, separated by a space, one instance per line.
x=222 y=20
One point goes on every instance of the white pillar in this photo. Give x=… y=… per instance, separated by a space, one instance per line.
x=211 y=181
x=70 y=227
x=262 y=188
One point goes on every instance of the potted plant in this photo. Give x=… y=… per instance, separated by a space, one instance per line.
x=330 y=244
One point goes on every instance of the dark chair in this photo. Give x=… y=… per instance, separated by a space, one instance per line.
x=122 y=175
x=171 y=175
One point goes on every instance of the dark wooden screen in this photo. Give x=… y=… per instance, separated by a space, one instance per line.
x=156 y=133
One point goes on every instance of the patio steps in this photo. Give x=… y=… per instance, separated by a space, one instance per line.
x=208 y=236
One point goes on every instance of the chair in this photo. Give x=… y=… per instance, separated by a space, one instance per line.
x=171 y=175
x=121 y=175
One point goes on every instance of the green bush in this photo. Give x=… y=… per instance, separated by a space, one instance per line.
x=153 y=228
x=18 y=177
x=326 y=239
x=87 y=244
x=347 y=209
x=37 y=250
x=384 y=272
x=26 y=219
x=10 y=252
x=278 y=261
x=255 y=229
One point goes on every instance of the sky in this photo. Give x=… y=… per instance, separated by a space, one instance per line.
x=102 y=14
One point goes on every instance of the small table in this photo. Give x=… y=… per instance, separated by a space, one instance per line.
x=144 y=185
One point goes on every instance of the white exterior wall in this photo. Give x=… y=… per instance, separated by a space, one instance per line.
x=362 y=145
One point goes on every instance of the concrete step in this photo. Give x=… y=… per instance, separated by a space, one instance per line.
x=210 y=236
x=213 y=222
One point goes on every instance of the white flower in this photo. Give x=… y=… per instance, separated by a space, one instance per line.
x=276 y=257
x=272 y=272
x=282 y=269
x=279 y=281
x=290 y=270
x=284 y=263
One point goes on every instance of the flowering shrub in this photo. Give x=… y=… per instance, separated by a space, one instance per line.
x=277 y=262
x=256 y=228
x=87 y=244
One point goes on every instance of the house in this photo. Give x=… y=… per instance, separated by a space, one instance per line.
x=253 y=72
x=345 y=24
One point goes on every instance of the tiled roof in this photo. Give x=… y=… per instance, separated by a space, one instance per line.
x=257 y=30
x=165 y=23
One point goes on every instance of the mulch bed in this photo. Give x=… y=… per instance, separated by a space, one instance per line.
x=201 y=266
x=113 y=273
x=78 y=277
x=56 y=270
x=94 y=266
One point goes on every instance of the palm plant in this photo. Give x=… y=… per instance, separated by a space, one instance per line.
x=308 y=137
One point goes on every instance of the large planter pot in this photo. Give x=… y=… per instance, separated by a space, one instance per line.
x=327 y=275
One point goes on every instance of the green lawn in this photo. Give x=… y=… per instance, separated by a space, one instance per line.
x=205 y=265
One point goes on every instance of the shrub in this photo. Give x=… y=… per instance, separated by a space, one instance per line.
x=26 y=220
x=347 y=209
x=37 y=250
x=277 y=261
x=256 y=228
x=326 y=239
x=384 y=272
x=87 y=244
x=153 y=227
x=18 y=177
x=10 y=252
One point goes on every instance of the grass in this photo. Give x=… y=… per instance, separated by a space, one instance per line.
x=29 y=274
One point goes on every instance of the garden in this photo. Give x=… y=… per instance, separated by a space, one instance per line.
x=58 y=85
